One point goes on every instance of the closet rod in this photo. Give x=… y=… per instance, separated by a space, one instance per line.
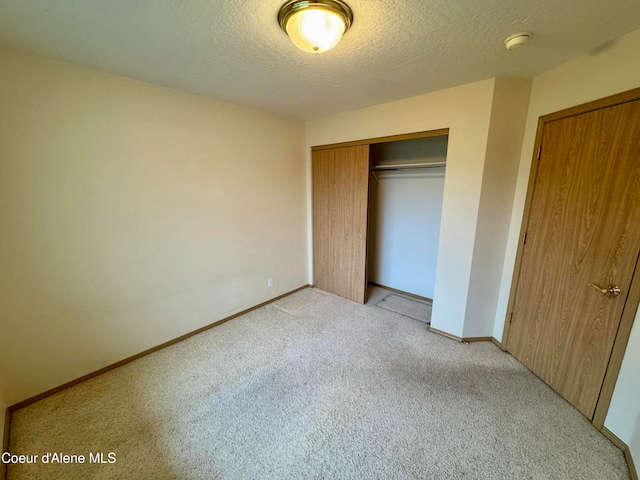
x=409 y=165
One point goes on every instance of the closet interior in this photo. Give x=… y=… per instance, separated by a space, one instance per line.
x=405 y=205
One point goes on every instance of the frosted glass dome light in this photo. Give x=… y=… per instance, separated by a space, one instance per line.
x=315 y=27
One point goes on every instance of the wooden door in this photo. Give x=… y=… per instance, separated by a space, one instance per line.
x=584 y=227
x=340 y=204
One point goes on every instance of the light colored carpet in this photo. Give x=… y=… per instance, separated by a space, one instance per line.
x=315 y=386
x=406 y=306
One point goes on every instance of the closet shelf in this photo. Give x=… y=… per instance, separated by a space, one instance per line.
x=409 y=165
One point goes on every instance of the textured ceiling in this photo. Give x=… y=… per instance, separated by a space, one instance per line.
x=234 y=50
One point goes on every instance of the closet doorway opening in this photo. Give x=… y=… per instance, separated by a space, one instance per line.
x=405 y=208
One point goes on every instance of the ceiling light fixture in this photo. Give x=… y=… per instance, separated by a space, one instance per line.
x=315 y=26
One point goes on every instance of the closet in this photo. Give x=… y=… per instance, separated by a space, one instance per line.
x=376 y=213
x=405 y=204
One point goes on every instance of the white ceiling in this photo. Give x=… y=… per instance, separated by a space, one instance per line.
x=234 y=50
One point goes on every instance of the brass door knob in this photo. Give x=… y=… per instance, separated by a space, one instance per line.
x=612 y=290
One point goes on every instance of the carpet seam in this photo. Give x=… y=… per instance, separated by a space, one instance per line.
x=402 y=315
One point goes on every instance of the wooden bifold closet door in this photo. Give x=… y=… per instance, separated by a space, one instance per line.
x=340 y=207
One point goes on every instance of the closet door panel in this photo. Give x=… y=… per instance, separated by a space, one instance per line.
x=340 y=203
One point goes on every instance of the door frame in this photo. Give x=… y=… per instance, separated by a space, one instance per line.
x=633 y=297
x=441 y=132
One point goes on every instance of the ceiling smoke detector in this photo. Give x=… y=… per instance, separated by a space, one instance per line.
x=517 y=40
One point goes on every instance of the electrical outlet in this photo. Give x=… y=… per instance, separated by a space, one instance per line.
x=270 y=282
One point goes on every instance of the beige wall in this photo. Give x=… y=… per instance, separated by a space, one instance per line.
x=504 y=144
x=466 y=111
x=624 y=412
x=613 y=70
x=634 y=444
x=133 y=214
